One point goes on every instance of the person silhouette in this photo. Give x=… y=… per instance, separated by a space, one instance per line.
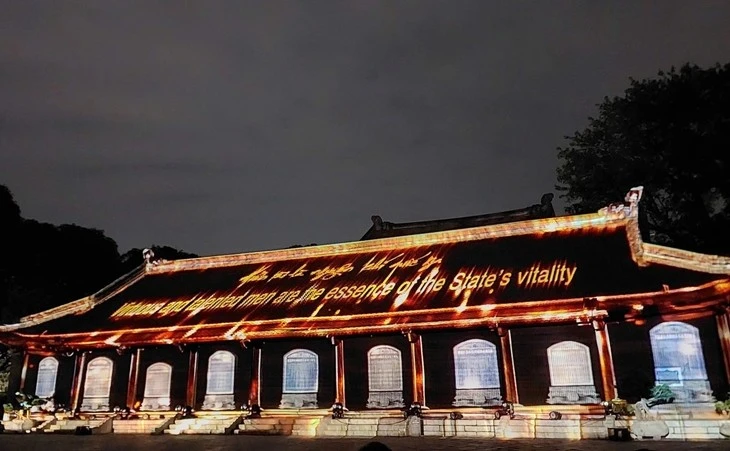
x=375 y=446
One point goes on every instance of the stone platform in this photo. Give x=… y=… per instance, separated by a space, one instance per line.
x=670 y=422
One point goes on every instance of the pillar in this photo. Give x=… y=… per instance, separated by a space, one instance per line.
x=723 y=330
x=133 y=378
x=255 y=388
x=24 y=371
x=608 y=376
x=339 y=370
x=78 y=379
x=419 y=377
x=508 y=366
x=192 y=378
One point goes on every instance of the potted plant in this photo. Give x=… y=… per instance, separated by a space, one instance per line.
x=723 y=407
x=660 y=394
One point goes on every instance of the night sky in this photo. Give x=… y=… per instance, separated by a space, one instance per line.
x=220 y=127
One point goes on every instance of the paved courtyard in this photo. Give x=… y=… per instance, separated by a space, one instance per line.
x=220 y=443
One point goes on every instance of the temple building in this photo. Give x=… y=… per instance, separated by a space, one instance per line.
x=520 y=306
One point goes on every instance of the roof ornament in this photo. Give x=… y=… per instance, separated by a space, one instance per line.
x=379 y=224
x=627 y=208
x=149 y=258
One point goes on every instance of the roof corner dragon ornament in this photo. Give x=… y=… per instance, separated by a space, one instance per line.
x=627 y=208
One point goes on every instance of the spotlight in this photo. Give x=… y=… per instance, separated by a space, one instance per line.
x=555 y=415
x=254 y=411
x=456 y=416
x=187 y=412
x=338 y=411
x=506 y=409
x=123 y=414
x=607 y=407
x=414 y=410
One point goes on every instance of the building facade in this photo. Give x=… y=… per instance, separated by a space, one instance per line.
x=563 y=311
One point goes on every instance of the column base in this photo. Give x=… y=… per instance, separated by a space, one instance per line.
x=95 y=405
x=156 y=403
x=298 y=401
x=385 y=400
x=477 y=397
x=219 y=402
x=573 y=394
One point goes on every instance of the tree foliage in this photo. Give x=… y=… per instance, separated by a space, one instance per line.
x=43 y=265
x=670 y=134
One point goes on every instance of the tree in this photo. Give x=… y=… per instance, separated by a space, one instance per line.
x=43 y=265
x=670 y=134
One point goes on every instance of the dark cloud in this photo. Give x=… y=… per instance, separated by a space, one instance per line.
x=231 y=126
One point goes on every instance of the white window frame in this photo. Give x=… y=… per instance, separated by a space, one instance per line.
x=491 y=350
x=54 y=368
x=685 y=328
x=108 y=386
x=232 y=376
x=396 y=351
x=168 y=368
x=557 y=347
x=286 y=389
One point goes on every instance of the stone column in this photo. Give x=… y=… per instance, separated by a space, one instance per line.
x=339 y=370
x=133 y=378
x=508 y=366
x=417 y=367
x=24 y=371
x=192 y=385
x=608 y=377
x=78 y=379
x=723 y=330
x=255 y=387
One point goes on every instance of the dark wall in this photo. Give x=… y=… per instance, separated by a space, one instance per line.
x=242 y=378
x=16 y=367
x=712 y=350
x=529 y=348
x=120 y=376
x=64 y=377
x=356 y=367
x=172 y=356
x=634 y=363
x=438 y=356
x=272 y=369
x=65 y=380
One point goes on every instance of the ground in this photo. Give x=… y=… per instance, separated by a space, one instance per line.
x=40 y=442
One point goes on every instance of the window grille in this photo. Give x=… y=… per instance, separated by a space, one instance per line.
x=221 y=373
x=45 y=386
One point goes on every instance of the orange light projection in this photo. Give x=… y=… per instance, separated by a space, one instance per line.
x=356 y=284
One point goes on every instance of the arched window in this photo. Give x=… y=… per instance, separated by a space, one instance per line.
x=221 y=373
x=301 y=372
x=570 y=364
x=477 y=374
x=385 y=369
x=475 y=365
x=45 y=386
x=98 y=378
x=677 y=353
x=157 y=383
x=157 y=387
